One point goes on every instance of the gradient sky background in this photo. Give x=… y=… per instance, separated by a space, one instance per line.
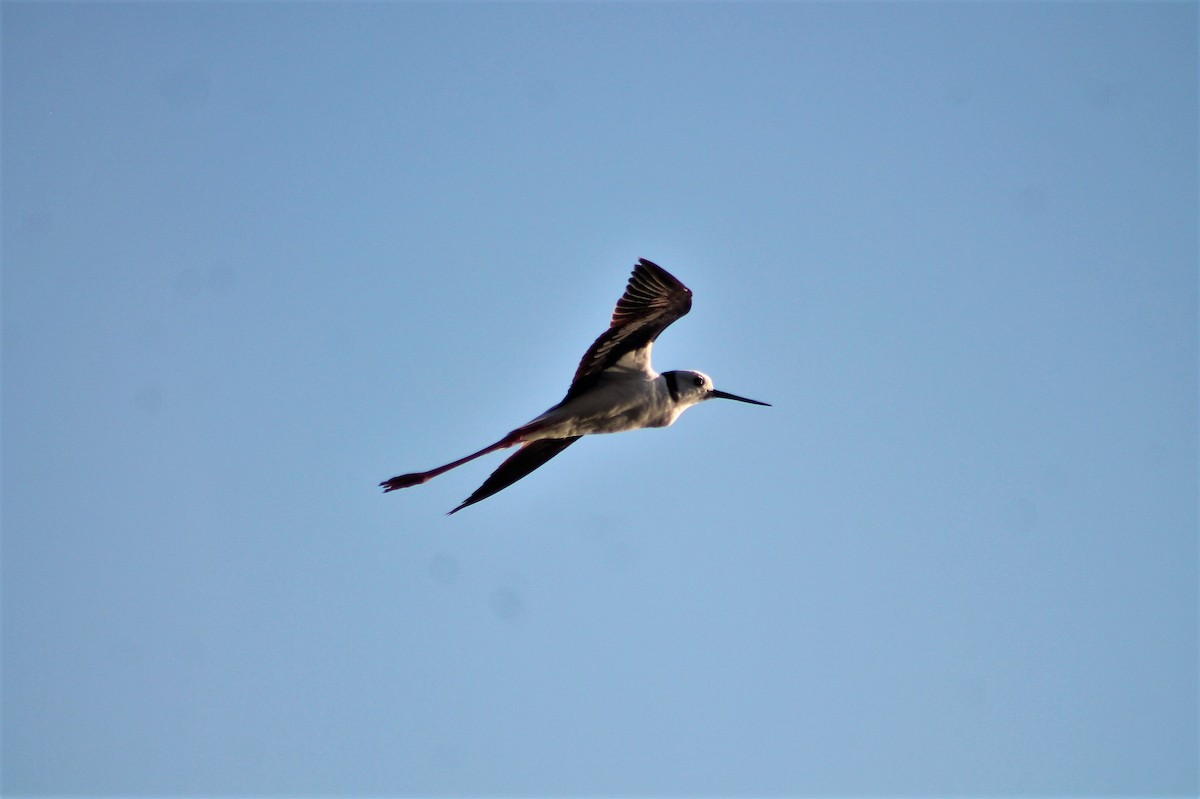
x=258 y=257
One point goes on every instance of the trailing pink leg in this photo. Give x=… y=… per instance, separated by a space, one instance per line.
x=417 y=478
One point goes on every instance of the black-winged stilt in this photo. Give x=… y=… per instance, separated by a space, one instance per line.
x=615 y=387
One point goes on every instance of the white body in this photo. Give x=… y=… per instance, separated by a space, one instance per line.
x=615 y=405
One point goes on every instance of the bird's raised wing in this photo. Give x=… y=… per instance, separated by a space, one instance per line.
x=529 y=457
x=653 y=299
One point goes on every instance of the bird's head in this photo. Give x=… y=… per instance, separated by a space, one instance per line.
x=689 y=388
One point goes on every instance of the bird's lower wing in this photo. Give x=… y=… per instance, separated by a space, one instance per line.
x=529 y=457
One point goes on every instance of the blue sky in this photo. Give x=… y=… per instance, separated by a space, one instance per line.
x=259 y=257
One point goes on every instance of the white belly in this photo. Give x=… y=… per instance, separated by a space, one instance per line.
x=613 y=407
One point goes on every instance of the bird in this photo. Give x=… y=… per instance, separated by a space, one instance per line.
x=615 y=388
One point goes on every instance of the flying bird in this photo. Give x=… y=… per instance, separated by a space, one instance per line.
x=615 y=388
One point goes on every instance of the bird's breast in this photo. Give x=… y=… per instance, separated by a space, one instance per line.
x=612 y=407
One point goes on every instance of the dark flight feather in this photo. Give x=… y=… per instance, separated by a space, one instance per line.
x=653 y=299
x=529 y=457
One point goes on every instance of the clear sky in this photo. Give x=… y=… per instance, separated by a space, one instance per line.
x=259 y=257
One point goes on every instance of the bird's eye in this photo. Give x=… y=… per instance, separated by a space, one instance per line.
x=699 y=381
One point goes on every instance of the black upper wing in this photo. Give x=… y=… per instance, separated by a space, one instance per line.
x=653 y=299
x=529 y=457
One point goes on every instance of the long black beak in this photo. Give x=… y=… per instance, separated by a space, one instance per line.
x=726 y=395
